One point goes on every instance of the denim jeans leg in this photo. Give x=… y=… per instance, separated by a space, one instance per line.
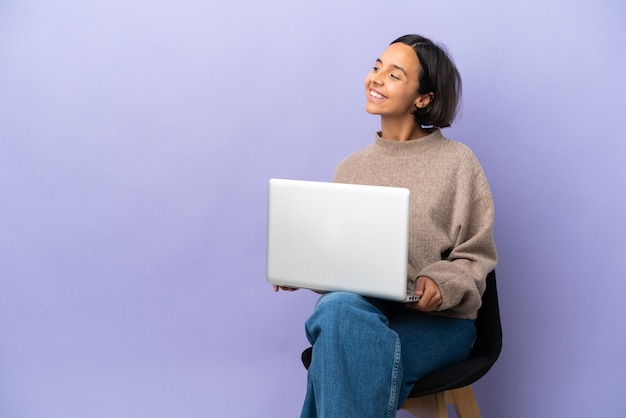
x=356 y=364
x=430 y=342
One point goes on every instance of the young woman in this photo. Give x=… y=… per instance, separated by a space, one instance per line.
x=368 y=353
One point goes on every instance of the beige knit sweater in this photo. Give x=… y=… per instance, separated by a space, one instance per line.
x=451 y=218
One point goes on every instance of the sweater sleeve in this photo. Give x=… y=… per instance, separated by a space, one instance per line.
x=462 y=271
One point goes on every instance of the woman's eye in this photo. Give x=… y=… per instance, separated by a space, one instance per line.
x=374 y=68
x=395 y=77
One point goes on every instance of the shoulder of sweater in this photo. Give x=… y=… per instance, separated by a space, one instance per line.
x=460 y=149
x=367 y=150
x=456 y=146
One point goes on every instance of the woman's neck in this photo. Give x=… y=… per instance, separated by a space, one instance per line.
x=406 y=130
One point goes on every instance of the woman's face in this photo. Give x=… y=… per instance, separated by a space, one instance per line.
x=391 y=87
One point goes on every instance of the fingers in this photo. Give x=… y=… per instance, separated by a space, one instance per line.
x=284 y=288
x=429 y=302
x=430 y=295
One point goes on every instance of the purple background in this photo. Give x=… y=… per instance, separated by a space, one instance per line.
x=136 y=141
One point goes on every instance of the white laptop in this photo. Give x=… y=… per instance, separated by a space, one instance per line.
x=339 y=237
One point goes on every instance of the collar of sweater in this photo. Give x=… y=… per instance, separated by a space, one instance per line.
x=406 y=147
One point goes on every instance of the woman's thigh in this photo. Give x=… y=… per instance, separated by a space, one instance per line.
x=430 y=342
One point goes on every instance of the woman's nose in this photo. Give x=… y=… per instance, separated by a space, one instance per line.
x=377 y=78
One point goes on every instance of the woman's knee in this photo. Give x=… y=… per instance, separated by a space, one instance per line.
x=339 y=308
x=343 y=315
x=338 y=300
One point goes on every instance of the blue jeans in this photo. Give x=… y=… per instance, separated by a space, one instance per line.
x=368 y=353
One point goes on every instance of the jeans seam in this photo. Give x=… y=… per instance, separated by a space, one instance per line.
x=394 y=381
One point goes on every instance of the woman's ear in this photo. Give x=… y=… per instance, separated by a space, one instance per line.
x=424 y=100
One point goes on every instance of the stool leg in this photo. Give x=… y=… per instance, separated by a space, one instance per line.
x=464 y=402
x=430 y=406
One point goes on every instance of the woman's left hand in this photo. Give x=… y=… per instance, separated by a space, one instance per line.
x=285 y=288
x=430 y=295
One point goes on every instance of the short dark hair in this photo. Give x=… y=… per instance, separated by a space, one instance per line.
x=438 y=75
